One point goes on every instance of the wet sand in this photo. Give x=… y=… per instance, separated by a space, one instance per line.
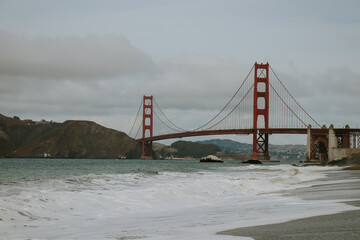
x=340 y=226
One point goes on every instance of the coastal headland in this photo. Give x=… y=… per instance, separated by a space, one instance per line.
x=70 y=139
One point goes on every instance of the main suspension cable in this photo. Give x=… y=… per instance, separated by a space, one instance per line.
x=293 y=97
x=137 y=133
x=287 y=105
x=227 y=103
x=136 y=117
x=232 y=109
x=181 y=129
x=165 y=123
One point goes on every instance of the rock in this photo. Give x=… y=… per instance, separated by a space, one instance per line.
x=353 y=159
x=355 y=167
x=253 y=162
x=210 y=158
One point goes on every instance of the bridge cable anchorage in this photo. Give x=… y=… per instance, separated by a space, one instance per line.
x=181 y=129
x=232 y=109
x=293 y=97
x=136 y=118
x=227 y=102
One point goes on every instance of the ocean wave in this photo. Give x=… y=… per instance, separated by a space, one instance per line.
x=164 y=200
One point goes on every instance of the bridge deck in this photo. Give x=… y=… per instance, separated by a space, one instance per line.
x=228 y=131
x=318 y=131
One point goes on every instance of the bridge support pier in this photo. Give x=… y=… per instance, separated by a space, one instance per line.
x=308 y=143
x=317 y=144
x=330 y=144
x=260 y=147
x=340 y=144
x=147 y=152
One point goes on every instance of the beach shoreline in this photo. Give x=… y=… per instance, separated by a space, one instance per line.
x=341 y=225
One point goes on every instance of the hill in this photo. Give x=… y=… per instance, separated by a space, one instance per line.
x=71 y=139
x=181 y=149
x=279 y=152
x=229 y=146
x=86 y=139
x=193 y=149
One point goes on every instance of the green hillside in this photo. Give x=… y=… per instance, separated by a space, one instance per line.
x=276 y=152
x=229 y=146
x=196 y=150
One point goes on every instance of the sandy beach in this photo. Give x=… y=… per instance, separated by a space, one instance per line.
x=344 y=225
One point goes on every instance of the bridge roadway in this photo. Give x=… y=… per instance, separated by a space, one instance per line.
x=318 y=131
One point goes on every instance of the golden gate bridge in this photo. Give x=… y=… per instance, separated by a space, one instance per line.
x=261 y=106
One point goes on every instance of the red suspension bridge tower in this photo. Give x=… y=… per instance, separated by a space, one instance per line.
x=147 y=127
x=261 y=94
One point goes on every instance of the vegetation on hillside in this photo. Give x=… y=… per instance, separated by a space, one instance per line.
x=196 y=150
x=276 y=152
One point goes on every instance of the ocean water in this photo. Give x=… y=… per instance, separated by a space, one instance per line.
x=150 y=199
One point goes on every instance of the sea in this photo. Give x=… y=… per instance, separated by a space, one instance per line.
x=151 y=199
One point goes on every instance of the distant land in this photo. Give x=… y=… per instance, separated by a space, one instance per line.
x=71 y=139
x=227 y=150
x=276 y=152
x=86 y=139
x=184 y=149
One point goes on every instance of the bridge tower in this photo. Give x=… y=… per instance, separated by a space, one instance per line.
x=147 y=127
x=261 y=92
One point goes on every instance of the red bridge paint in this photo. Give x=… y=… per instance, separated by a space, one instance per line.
x=261 y=140
x=147 y=127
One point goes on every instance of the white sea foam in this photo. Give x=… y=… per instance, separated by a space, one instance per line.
x=167 y=205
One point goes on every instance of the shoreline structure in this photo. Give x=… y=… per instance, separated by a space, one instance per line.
x=339 y=225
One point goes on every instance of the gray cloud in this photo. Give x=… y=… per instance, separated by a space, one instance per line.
x=197 y=81
x=328 y=96
x=67 y=73
x=30 y=70
x=190 y=87
x=73 y=57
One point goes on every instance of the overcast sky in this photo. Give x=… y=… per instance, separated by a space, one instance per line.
x=95 y=59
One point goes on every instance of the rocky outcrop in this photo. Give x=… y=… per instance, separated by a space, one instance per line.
x=355 y=167
x=253 y=162
x=210 y=158
x=353 y=159
x=71 y=139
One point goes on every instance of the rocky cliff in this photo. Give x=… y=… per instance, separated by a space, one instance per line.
x=71 y=139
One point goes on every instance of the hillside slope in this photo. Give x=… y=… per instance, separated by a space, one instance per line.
x=71 y=139
x=277 y=152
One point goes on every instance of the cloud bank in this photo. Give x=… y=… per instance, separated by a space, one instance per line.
x=103 y=78
x=71 y=57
